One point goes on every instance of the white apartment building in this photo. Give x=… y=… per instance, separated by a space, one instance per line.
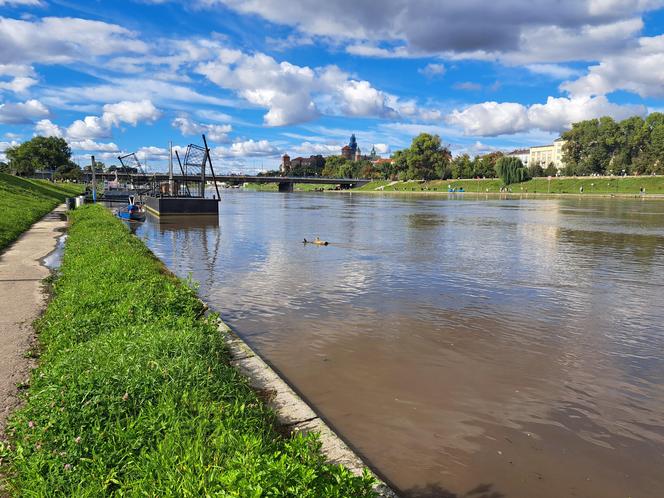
x=547 y=154
x=523 y=154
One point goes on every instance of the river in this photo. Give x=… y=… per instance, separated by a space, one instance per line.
x=465 y=347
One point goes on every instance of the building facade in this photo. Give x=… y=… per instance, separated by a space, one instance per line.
x=285 y=165
x=522 y=154
x=548 y=154
x=349 y=151
x=352 y=152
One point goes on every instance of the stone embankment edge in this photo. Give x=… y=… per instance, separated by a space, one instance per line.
x=292 y=412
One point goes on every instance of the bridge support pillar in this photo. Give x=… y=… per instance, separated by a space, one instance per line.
x=286 y=187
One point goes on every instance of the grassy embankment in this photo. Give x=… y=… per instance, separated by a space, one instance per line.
x=135 y=395
x=299 y=187
x=23 y=202
x=596 y=185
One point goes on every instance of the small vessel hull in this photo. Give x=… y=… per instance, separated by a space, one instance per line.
x=123 y=215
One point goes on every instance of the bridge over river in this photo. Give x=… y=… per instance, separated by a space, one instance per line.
x=285 y=183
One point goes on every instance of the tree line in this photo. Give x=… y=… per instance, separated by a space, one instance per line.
x=42 y=153
x=604 y=146
x=51 y=154
x=426 y=159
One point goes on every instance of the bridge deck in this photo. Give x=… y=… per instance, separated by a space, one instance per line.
x=162 y=177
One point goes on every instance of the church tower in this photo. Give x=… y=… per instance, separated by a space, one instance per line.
x=353 y=144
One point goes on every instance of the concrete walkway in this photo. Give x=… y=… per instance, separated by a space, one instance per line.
x=22 y=299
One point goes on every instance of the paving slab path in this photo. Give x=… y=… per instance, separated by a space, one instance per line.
x=22 y=300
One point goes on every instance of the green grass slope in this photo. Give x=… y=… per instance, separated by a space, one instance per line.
x=135 y=395
x=598 y=185
x=23 y=201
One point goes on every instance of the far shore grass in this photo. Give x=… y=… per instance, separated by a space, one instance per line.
x=135 y=394
x=24 y=201
x=566 y=185
x=630 y=185
x=298 y=187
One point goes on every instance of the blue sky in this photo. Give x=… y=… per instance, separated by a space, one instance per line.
x=264 y=77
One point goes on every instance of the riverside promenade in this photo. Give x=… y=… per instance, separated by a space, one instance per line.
x=22 y=299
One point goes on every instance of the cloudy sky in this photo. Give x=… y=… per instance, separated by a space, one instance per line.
x=264 y=77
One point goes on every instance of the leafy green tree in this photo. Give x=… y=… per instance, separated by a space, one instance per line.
x=511 y=170
x=655 y=150
x=462 y=167
x=333 y=166
x=38 y=153
x=100 y=167
x=313 y=167
x=339 y=167
x=598 y=146
x=425 y=159
x=551 y=170
x=399 y=165
x=535 y=170
x=634 y=139
x=69 y=171
x=485 y=166
x=4 y=167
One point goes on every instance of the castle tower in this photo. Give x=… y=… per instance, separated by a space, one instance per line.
x=353 y=144
x=285 y=164
x=358 y=154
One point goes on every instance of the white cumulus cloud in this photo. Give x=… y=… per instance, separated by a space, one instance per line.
x=19 y=84
x=431 y=70
x=4 y=146
x=131 y=112
x=92 y=146
x=294 y=94
x=46 y=128
x=213 y=132
x=22 y=112
x=93 y=127
x=637 y=70
x=56 y=40
x=247 y=148
x=493 y=118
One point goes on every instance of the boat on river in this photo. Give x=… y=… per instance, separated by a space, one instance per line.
x=132 y=212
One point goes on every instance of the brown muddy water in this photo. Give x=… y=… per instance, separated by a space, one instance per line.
x=465 y=347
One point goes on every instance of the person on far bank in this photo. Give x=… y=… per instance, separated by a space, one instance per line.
x=581 y=189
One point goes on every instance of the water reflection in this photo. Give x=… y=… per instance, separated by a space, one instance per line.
x=467 y=347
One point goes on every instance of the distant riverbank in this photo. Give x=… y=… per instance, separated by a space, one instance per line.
x=298 y=187
x=624 y=186
x=649 y=186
